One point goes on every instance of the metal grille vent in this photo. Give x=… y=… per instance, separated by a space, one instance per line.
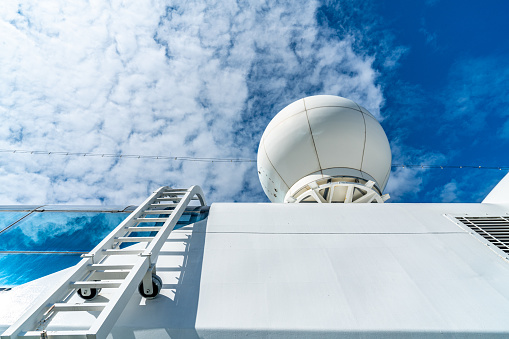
x=493 y=229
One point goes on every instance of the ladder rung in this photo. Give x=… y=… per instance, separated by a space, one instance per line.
x=109 y=267
x=54 y=334
x=123 y=252
x=134 y=239
x=158 y=207
x=79 y=307
x=96 y=284
x=163 y=205
x=151 y=219
x=173 y=190
x=144 y=229
x=109 y=275
x=169 y=199
x=158 y=211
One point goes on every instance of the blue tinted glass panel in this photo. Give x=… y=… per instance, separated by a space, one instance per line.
x=17 y=269
x=190 y=218
x=60 y=231
x=7 y=218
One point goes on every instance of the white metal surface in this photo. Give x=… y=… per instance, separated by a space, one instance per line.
x=108 y=266
x=350 y=270
x=500 y=193
x=338 y=132
x=323 y=136
x=336 y=190
x=323 y=271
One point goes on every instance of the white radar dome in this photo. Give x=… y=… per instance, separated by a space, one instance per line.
x=324 y=148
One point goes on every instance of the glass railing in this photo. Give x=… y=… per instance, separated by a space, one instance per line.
x=37 y=241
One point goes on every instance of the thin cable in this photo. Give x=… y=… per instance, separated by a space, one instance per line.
x=452 y=166
x=129 y=156
x=213 y=159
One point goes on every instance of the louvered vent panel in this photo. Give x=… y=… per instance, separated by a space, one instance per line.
x=493 y=229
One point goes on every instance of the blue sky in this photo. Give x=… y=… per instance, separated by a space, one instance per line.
x=448 y=98
x=204 y=78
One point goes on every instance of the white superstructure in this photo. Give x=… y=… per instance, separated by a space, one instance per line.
x=315 y=270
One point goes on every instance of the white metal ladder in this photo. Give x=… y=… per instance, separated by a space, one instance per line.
x=95 y=271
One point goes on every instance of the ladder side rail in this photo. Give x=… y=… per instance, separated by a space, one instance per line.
x=108 y=317
x=196 y=190
x=31 y=316
x=154 y=247
x=201 y=196
x=152 y=250
x=104 y=323
x=107 y=242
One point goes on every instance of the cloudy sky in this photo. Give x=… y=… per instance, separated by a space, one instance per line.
x=204 y=78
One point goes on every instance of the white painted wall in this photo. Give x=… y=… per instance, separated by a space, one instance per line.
x=322 y=270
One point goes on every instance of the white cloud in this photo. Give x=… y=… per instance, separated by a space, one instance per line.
x=504 y=131
x=156 y=77
x=449 y=193
x=431 y=38
x=406 y=182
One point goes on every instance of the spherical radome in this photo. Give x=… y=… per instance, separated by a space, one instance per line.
x=322 y=136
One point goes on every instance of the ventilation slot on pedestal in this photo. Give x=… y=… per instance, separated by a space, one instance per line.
x=493 y=229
